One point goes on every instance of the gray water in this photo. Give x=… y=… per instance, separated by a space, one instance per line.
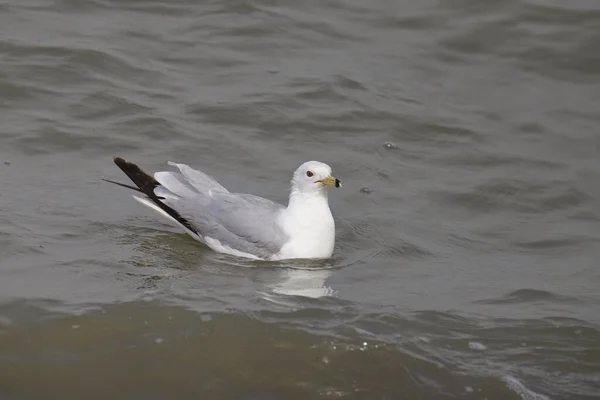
x=466 y=134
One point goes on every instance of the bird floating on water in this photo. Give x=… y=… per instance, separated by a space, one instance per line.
x=243 y=224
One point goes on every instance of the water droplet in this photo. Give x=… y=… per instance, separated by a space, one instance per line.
x=325 y=360
x=390 y=145
x=469 y=389
x=159 y=340
x=365 y=343
x=366 y=190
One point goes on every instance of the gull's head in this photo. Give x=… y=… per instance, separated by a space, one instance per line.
x=313 y=177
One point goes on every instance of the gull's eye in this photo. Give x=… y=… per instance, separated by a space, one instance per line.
x=309 y=174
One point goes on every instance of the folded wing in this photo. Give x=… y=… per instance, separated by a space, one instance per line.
x=241 y=222
x=209 y=212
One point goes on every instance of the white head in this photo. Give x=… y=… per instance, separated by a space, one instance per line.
x=313 y=177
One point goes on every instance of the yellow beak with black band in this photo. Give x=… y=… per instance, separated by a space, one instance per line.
x=331 y=181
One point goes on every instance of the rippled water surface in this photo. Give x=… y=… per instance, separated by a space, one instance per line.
x=467 y=136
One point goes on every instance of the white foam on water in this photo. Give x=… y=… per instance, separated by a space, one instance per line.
x=477 y=346
x=526 y=394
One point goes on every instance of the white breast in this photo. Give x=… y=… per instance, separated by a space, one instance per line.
x=311 y=229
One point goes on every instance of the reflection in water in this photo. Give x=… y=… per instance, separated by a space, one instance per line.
x=161 y=252
x=306 y=278
x=304 y=282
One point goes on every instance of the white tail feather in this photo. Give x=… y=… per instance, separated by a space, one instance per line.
x=156 y=208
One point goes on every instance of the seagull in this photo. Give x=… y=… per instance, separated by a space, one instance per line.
x=241 y=224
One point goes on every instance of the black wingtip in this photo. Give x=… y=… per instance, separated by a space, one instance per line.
x=146 y=184
x=119 y=161
x=144 y=181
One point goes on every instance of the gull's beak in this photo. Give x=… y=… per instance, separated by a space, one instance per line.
x=331 y=181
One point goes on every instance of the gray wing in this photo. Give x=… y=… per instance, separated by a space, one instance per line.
x=195 y=179
x=243 y=222
x=207 y=210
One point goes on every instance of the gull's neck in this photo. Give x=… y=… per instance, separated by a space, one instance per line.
x=301 y=200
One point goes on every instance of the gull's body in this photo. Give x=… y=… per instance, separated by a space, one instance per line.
x=242 y=224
